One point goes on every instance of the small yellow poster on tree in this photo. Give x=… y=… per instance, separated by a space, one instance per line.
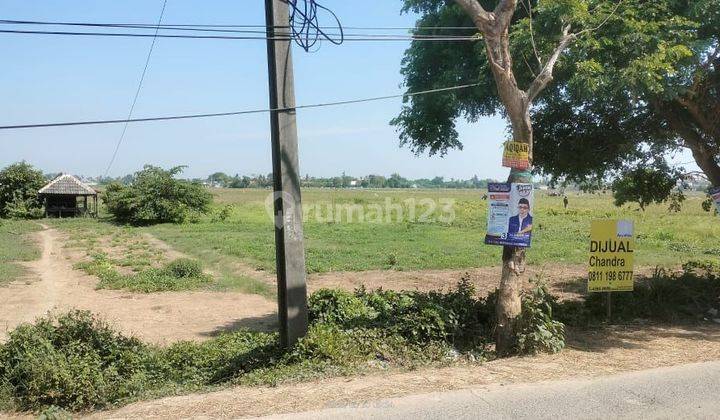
x=516 y=155
x=612 y=247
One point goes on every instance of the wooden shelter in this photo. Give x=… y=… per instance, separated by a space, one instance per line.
x=67 y=196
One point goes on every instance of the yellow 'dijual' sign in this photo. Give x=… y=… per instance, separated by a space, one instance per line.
x=612 y=247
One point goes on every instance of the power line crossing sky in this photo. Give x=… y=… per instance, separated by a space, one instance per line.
x=54 y=78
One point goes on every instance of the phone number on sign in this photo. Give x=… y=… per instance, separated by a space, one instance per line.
x=611 y=275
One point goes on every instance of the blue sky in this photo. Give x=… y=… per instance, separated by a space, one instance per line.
x=48 y=78
x=76 y=78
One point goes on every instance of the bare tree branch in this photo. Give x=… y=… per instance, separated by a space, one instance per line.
x=546 y=74
x=528 y=9
x=696 y=173
x=528 y=65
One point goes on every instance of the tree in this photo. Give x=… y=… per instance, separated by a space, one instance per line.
x=19 y=185
x=219 y=179
x=643 y=186
x=522 y=42
x=646 y=85
x=156 y=196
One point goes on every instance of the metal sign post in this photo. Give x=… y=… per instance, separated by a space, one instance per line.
x=289 y=247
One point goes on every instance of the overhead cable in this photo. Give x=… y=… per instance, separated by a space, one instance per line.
x=137 y=92
x=209 y=27
x=359 y=37
x=228 y=114
x=305 y=27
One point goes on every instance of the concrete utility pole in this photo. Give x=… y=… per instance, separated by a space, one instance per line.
x=289 y=248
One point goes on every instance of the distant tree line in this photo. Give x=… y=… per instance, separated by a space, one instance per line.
x=222 y=180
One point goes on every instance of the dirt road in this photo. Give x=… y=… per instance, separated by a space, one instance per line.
x=158 y=317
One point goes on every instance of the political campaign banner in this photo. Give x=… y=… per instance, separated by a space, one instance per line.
x=715 y=194
x=612 y=247
x=510 y=220
x=516 y=155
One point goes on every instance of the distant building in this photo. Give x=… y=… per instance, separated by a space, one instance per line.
x=67 y=196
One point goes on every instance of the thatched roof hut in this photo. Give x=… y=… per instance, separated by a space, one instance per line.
x=63 y=197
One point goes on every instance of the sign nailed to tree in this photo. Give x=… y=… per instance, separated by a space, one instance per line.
x=510 y=219
x=516 y=155
x=612 y=246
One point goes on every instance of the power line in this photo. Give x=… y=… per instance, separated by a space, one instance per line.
x=304 y=24
x=204 y=27
x=137 y=92
x=228 y=114
x=359 y=37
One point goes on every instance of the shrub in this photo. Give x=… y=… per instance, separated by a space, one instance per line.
x=73 y=361
x=537 y=331
x=77 y=362
x=156 y=196
x=181 y=274
x=23 y=209
x=184 y=268
x=54 y=413
x=669 y=297
x=19 y=185
x=340 y=307
x=223 y=358
x=223 y=213
x=456 y=317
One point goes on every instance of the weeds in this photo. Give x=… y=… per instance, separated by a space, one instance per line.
x=456 y=317
x=181 y=274
x=687 y=296
x=537 y=330
x=76 y=362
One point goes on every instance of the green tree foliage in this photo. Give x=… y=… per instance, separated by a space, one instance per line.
x=220 y=179
x=644 y=85
x=19 y=185
x=156 y=196
x=643 y=186
x=639 y=80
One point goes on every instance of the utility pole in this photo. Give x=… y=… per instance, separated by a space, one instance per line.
x=289 y=247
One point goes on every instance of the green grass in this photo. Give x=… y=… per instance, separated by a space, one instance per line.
x=165 y=279
x=16 y=246
x=113 y=250
x=240 y=232
x=561 y=236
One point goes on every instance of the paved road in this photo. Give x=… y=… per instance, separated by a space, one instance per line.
x=681 y=392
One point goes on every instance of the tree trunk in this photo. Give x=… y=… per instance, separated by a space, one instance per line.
x=517 y=107
x=495 y=29
x=699 y=138
x=513 y=259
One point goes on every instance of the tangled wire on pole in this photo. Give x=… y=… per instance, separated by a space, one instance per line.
x=305 y=27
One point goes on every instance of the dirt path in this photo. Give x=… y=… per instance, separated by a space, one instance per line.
x=158 y=317
x=590 y=355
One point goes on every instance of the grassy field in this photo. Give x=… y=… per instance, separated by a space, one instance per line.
x=126 y=255
x=350 y=332
x=358 y=230
x=15 y=247
x=560 y=235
